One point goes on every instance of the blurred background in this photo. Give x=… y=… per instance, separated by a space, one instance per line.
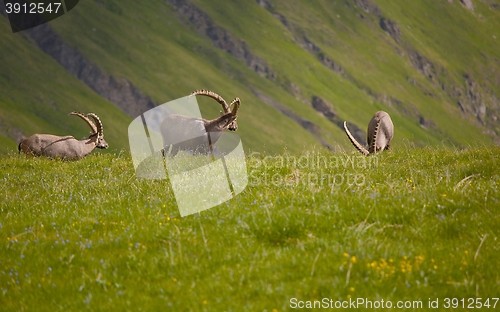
x=300 y=69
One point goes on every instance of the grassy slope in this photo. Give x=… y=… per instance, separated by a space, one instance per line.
x=166 y=67
x=37 y=95
x=361 y=48
x=409 y=227
x=168 y=50
x=460 y=41
x=149 y=46
x=370 y=56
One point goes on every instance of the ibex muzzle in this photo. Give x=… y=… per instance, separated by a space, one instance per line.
x=379 y=135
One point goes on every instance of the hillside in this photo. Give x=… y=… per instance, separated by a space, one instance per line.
x=300 y=68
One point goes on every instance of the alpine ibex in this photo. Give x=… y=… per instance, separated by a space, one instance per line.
x=66 y=147
x=379 y=136
x=198 y=134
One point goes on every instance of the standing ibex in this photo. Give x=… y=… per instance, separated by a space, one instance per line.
x=66 y=147
x=197 y=135
x=379 y=136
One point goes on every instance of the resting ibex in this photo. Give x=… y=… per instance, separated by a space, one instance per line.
x=66 y=147
x=193 y=134
x=379 y=136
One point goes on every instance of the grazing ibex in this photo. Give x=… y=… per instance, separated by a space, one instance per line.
x=379 y=136
x=193 y=134
x=66 y=147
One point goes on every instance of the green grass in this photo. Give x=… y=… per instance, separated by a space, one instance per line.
x=409 y=224
x=6 y=145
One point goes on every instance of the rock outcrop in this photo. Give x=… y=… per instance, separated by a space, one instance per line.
x=220 y=37
x=390 y=27
x=468 y=4
x=306 y=124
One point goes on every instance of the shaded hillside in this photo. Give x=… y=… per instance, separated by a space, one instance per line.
x=300 y=68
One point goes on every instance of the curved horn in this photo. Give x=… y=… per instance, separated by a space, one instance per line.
x=235 y=104
x=373 y=146
x=354 y=142
x=88 y=121
x=98 y=123
x=214 y=96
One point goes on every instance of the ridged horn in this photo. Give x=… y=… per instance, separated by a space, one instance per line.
x=373 y=146
x=214 y=96
x=97 y=122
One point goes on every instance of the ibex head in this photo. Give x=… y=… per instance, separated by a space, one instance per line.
x=226 y=120
x=379 y=135
x=96 y=128
x=101 y=143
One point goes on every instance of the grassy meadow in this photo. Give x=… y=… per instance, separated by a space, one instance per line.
x=405 y=225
